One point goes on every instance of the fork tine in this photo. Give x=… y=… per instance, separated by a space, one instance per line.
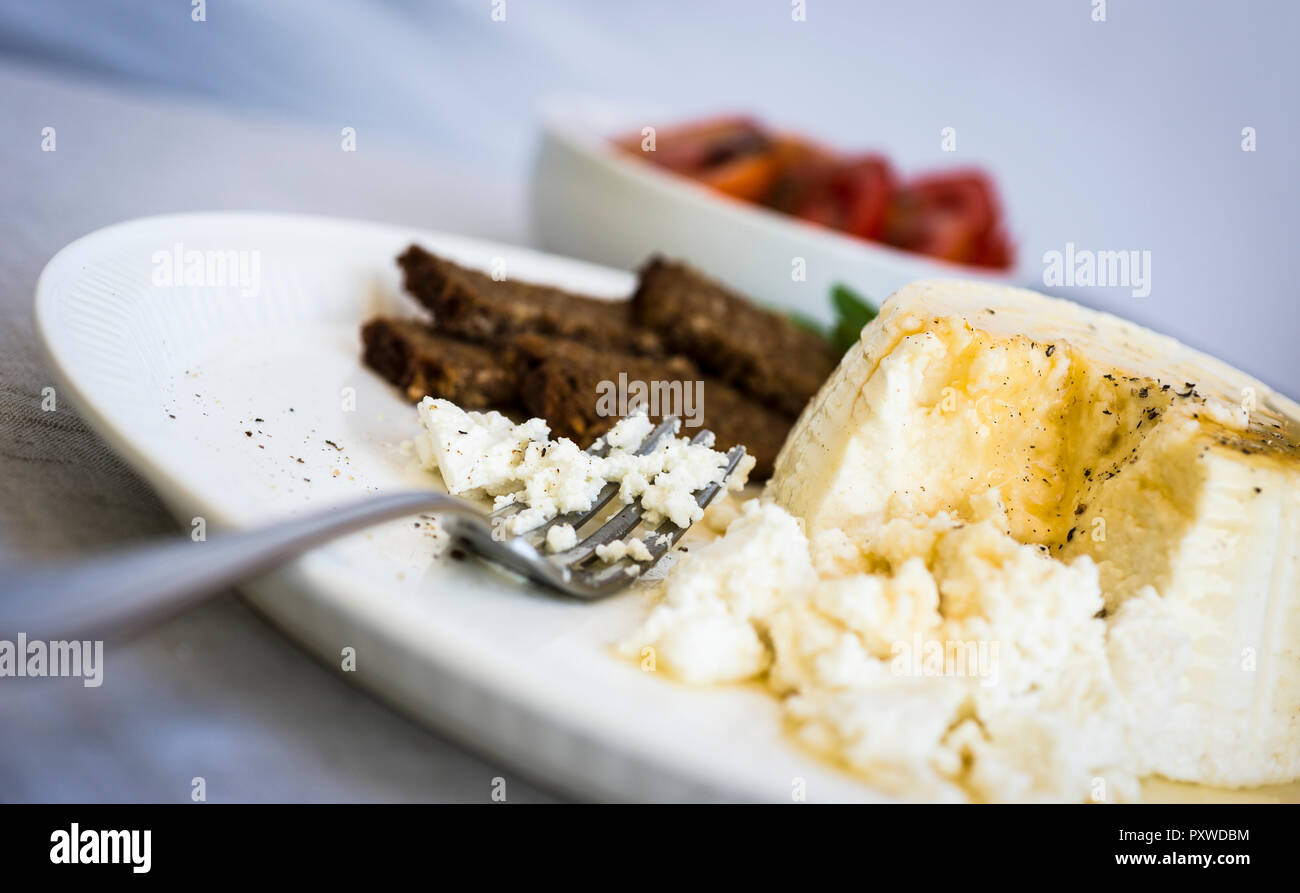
x=668 y=533
x=615 y=528
x=665 y=536
x=627 y=518
x=577 y=519
x=572 y=572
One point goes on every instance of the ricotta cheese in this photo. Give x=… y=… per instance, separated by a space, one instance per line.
x=975 y=667
x=1016 y=550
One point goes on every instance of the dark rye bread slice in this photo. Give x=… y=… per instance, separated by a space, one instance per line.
x=561 y=381
x=472 y=305
x=760 y=352
x=422 y=363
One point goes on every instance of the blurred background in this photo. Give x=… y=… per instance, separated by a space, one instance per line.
x=1118 y=134
x=1122 y=134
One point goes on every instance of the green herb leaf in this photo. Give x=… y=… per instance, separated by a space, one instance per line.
x=845 y=335
x=854 y=311
x=852 y=307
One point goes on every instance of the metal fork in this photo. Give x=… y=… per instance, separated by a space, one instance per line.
x=115 y=594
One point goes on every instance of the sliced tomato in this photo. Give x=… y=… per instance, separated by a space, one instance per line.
x=951 y=216
x=995 y=250
x=851 y=196
x=865 y=187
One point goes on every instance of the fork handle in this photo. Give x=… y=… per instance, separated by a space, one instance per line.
x=115 y=593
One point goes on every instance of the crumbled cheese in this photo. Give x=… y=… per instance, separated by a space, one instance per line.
x=557 y=477
x=944 y=660
x=474 y=451
x=485 y=454
x=502 y=500
x=638 y=550
x=611 y=551
x=629 y=433
x=561 y=537
x=633 y=548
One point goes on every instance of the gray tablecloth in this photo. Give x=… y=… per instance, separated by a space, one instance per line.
x=216 y=693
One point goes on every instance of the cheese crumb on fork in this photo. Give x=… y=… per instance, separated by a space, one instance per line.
x=485 y=454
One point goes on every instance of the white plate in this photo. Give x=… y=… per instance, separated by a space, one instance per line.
x=173 y=378
x=591 y=201
x=502 y=665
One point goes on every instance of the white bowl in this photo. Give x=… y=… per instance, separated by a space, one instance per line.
x=592 y=201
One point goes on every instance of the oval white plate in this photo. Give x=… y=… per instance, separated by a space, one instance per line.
x=591 y=201
x=502 y=665
x=243 y=408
